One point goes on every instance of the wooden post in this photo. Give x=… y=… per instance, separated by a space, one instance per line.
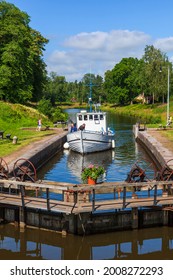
x=75 y=197
x=36 y=191
x=48 y=199
x=93 y=201
x=114 y=193
x=149 y=192
x=22 y=219
x=165 y=217
x=124 y=197
x=119 y=193
x=22 y=209
x=155 y=194
x=134 y=218
x=22 y=190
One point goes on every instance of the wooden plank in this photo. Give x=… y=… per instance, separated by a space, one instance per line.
x=168 y=208
x=79 y=207
x=106 y=186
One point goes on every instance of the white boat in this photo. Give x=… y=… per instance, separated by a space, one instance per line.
x=95 y=137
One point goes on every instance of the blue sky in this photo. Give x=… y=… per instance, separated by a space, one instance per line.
x=94 y=35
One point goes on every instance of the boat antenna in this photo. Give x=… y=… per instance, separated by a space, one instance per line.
x=90 y=84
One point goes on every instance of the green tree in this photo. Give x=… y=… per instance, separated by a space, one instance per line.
x=155 y=79
x=22 y=70
x=56 y=89
x=121 y=83
x=45 y=107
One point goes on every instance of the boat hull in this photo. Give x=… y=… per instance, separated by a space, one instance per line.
x=89 y=141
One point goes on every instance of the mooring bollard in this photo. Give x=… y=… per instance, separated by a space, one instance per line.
x=15 y=140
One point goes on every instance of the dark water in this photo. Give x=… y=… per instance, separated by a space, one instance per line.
x=152 y=243
x=147 y=244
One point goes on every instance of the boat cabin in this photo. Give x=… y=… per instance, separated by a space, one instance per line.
x=94 y=121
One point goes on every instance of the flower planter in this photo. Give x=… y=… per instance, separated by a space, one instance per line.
x=92 y=171
x=91 y=181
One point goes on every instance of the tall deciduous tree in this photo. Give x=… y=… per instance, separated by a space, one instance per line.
x=155 y=67
x=22 y=70
x=121 y=83
x=56 y=89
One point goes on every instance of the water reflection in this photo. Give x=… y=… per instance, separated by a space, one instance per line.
x=76 y=162
x=155 y=243
x=117 y=162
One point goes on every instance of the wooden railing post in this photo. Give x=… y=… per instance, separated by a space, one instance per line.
x=93 y=201
x=22 y=214
x=22 y=190
x=114 y=193
x=155 y=194
x=149 y=192
x=75 y=197
x=124 y=197
x=48 y=199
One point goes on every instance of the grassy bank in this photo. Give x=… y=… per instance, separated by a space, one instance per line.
x=151 y=114
x=15 y=117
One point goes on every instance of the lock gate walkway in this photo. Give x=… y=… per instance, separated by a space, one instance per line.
x=76 y=197
x=19 y=199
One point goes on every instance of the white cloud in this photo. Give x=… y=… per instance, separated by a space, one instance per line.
x=165 y=44
x=87 y=41
x=98 y=51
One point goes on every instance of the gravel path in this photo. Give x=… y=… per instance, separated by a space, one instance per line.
x=162 y=138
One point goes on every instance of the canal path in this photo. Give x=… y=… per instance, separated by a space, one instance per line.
x=150 y=243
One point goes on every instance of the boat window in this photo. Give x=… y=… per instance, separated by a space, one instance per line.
x=85 y=117
x=101 y=117
x=80 y=117
x=96 y=117
x=91 y=117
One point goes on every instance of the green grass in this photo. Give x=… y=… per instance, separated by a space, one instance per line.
x=14 y=117
x=150 y=114
x=24 y=138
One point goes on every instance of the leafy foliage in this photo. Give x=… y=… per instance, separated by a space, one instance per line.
x=44 y=106
x=17 y=115
x=121 y=82
x=54 y=113
x=131 y=77
x=155 y=73
x=22 y=71
x=92 y=171
x=58 y=115
x=23 y=75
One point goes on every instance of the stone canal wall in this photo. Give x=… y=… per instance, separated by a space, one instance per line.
x=158 y=153
x=43 y=150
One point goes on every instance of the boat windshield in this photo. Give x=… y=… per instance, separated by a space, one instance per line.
x=85 y=117
x=94 y=121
